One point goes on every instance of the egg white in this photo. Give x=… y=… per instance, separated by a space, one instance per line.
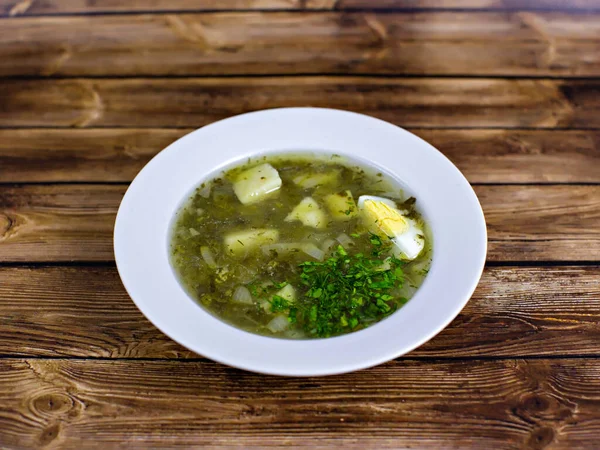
x=408 y=241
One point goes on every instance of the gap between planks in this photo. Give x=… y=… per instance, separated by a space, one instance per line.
x=30 y=8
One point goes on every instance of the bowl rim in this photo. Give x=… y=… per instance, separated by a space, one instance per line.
x=447 y=201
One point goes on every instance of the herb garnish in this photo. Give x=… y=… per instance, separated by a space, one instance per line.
x=345 y=292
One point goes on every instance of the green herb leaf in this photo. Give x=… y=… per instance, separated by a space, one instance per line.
x=345 y=292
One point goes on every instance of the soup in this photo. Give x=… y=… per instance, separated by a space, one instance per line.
x=295 y=246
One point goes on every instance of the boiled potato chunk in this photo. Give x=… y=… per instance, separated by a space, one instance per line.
x=341 y=205
x=287 y=292
x=309 y=213
x=241 y=243
x=253 y=185
x=311 y=180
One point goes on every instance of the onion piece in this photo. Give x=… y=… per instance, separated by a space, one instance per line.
x=345 y=240
x=244 y=274
x=281 y=248
x=242 y=295
x=284 y=249
x=208 y=256
x=385 y=265
x=199 y=211
x=194 y=232
x=278 y=323
x=294 y=334
x=265 y=305
x=328 y=245
x=317 y=238
x=314 y=251
x=205 y=191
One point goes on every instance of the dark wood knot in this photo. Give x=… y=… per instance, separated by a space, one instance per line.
x=6 y=223
x=543 y=407
x=49 y=434
x=54 y=404
x=540 y=438
x=536 y=403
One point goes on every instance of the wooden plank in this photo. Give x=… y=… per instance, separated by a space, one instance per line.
x=13 y=8
x=442 y=43
x=141 y=404
x=58 y=223
x=116 y=155
x=472 y=4
x=520 y=156
x=75 y=222
x=80 y=155
x=431 y=102
x=515 y=312
x=542 y=223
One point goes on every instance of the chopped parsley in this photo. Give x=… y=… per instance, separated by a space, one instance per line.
x=345 y=292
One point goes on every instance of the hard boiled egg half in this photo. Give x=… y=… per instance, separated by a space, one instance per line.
x=382 y=217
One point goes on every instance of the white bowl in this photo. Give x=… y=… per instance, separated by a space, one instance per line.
x=444 y=196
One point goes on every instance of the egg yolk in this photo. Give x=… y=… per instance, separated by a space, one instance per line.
x=383 y=218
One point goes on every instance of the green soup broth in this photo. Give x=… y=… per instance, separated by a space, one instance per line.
x=275 y=268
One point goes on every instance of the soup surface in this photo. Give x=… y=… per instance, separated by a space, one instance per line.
x=300 y=246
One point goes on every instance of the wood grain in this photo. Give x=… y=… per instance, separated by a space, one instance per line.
x=85 y=312
x=443 y=43
x=508 y=404
x=431 y=102
x=116 y=155
x=542 y=223
x=75 y=223
x=508 y=89
x=473 y=4
x=67 y=155
x=13 y=8
x=58 y=223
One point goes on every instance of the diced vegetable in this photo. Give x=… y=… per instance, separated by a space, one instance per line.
x=204 y=190
x=287 y=292
x=208 y=256
x=265 y=305
x=278 y=323
x=294 y=247
x=194 y=232
x=242 y=295
x=309 y=213
x=341 y=205
x=254 y=184
x=328 y=245
x=293 y=333
x=385 y=265
x=345 y=240
x=311 y=180
x=314 y=251
x=282 y=248
x=241 y=243
x=313 y=236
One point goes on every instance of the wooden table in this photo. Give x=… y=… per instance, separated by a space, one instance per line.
x=508 y=89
